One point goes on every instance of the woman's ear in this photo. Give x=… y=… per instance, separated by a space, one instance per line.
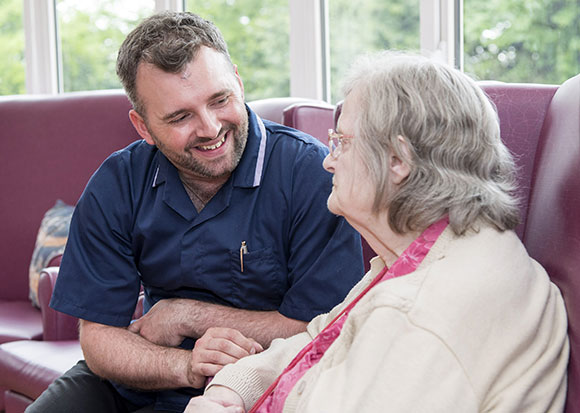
x=399 y=165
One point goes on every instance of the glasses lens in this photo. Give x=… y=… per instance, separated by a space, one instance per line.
x=334 y=146
x=335 y=143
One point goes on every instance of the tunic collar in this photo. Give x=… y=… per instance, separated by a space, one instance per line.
x=248 y=173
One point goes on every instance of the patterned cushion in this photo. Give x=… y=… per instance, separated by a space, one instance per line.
x=50 y=243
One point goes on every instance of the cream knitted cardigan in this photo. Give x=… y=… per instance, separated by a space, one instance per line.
x=478 y=327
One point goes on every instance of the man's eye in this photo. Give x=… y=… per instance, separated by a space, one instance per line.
x=222 y=101
x=178 y=119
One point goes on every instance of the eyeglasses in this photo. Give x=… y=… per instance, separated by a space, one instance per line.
x=335 y=141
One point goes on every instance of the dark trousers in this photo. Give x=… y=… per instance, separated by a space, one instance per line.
x=80 y=390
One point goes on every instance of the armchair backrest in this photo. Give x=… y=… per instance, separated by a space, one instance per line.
x=273 y=108
x=312 y=116
x=552 y=232
x=50 y=147
x=521 y=109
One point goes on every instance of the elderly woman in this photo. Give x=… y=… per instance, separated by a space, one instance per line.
x=454 y=316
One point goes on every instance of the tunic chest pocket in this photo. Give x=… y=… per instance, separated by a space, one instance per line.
x=258 y=280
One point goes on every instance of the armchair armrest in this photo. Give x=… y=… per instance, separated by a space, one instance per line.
x=56 y=325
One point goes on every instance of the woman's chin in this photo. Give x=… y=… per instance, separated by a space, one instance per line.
x=332 y=207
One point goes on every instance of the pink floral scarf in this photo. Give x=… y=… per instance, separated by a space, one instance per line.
x=272 y=401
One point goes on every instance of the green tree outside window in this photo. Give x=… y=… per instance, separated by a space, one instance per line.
x=522 y=41
x=258 y=36
x=12 y=75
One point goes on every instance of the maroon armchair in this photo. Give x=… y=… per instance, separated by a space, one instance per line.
x=273 y=108
x=312 y=116
x=50 y=147
x=522 y=109
x=540 y=124
x=552 y=231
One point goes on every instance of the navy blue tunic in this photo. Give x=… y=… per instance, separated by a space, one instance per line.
x=135 y=225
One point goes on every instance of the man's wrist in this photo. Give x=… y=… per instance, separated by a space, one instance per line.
x=188 y=319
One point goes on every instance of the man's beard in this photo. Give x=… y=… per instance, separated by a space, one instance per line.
x=186 y=162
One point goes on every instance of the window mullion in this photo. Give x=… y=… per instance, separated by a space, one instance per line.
x=440 y=29
x=41 y=48
x=306 y=63
x=175 y=5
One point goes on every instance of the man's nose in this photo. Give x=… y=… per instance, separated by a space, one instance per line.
x=208 y=125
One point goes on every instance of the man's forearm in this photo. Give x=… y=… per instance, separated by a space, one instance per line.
x=119 y=355
x=171 y=320
x=262 y=326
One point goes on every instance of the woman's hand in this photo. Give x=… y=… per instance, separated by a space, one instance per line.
x=216 y=348
x=217 y=399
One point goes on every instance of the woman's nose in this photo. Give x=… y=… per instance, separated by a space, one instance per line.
x=328 y=163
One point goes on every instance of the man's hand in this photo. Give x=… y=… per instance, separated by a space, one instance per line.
x=216 y=399
x=216 y=348
x=171 y=320
x=162 y=325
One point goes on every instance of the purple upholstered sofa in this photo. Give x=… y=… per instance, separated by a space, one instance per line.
x=51 y=145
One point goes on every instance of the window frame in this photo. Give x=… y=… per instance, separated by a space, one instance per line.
x=440 y=33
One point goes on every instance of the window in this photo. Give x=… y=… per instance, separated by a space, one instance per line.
x=12 y=74
x=360 y=27
x=257 y=34
x=90 y=36
x=536 y=41
x=294 y=47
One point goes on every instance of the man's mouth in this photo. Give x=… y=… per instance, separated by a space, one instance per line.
x=214 y=146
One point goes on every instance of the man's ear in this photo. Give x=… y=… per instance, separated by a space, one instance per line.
x=140 y=126
x=399 y=165
x=239 y=78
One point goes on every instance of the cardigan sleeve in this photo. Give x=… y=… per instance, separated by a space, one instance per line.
x=251 y=376
x=392 y=366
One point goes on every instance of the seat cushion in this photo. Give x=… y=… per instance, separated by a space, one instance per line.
x=28 y=367
x=15 y=402
x=19 y=320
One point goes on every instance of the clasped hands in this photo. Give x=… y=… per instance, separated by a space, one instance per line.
x=218 y=346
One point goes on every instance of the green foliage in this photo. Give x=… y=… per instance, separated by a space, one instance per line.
x=522 y=41
x=509 y=40
x=361 y=27
x=89 y=44
x=258 y=37
x=12 y=75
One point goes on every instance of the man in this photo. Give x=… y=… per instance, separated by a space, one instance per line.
x=220 y=216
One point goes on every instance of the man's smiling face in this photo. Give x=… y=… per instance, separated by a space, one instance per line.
x=197 y=118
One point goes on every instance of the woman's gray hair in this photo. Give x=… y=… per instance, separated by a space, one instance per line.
x=459 y=165
x=168 y=40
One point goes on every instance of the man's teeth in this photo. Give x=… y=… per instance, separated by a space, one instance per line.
x=212 y=147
